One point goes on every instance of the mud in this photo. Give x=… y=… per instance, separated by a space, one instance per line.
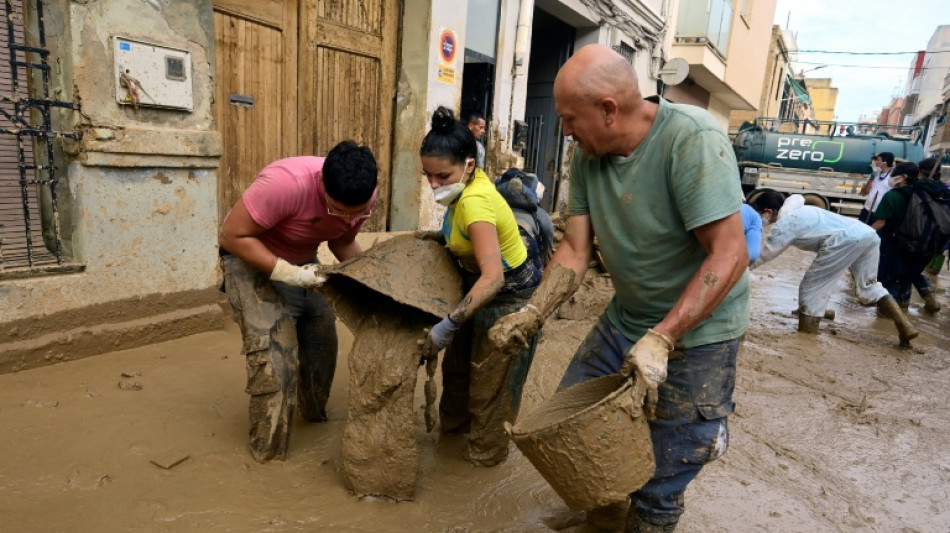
x=840 y=432
x=385 y=297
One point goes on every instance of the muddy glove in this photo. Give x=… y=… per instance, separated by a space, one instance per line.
x=648 y=359
x=512 y=333
x=307 y=276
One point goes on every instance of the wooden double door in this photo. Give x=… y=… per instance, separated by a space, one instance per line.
x=296 y=77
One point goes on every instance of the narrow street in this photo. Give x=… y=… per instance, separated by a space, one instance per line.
x=842 y=432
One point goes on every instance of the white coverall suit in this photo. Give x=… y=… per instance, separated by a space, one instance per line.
x=841 y=243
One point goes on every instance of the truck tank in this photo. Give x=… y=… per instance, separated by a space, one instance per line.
x=841 y=148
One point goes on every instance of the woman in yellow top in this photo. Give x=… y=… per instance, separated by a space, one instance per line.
x=481 y=386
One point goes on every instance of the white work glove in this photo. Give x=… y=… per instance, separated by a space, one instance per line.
x=307 y=276
x=648 y=359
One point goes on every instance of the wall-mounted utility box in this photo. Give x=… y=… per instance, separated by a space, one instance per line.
x=151 y=75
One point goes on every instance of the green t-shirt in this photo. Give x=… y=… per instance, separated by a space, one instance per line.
x=643 y=209
x=892 y=208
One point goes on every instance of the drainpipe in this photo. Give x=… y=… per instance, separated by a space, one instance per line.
x=521 y=37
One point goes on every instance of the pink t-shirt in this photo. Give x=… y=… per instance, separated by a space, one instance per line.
x=287 y=198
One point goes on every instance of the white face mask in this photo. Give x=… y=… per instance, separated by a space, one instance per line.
x=895 y=181
x=875 y=168
x=447 y=194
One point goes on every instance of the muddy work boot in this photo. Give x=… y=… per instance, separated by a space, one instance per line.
x=638 y=524
x=808 y=324
x=905 y=330
x=931 y=305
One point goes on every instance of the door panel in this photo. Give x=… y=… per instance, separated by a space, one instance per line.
x=255 y=90
x=347 y=81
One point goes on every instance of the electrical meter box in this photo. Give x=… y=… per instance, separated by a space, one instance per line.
x=149 y=75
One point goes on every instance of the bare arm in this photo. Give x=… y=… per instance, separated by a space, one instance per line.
x=345 y=246
x=484 y=238
x=239 y=236
x=866 y=190
x=725 y=262
x=878 y=224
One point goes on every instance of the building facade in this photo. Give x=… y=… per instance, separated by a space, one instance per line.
x=824 y=97
x=726 y=44
x=783 y=97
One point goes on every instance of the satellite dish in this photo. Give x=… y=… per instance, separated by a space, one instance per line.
x=674 y=71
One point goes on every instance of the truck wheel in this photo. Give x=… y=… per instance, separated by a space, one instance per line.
x=755 y=194
x=816 y=200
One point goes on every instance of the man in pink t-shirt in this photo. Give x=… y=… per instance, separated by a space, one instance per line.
x=268 y=245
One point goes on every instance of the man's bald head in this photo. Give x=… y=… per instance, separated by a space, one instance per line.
x=596 y=72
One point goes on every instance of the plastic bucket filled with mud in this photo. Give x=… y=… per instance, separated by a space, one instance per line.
x=591 y=441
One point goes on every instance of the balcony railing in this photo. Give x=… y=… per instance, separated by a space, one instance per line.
x=705 y=21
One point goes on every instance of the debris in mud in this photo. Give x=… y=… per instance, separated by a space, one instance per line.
x=130 y=385
x=34 y=403
x=132 y=374
x=169 y=459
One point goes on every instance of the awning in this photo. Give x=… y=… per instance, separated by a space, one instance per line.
x=800 y=91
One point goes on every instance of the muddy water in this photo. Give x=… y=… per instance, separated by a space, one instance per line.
x=841 y=432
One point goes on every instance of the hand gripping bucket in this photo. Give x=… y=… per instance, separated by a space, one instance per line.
x=591 y=441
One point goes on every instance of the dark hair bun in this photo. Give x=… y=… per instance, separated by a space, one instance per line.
x=443 y=120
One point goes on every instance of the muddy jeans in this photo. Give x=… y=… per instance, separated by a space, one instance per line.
x=481 y=387
x=690 y=429
x=290 y=346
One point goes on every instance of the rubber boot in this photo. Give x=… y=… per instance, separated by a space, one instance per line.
x=808 y=324
x=905 y=330
x=931 y=305
x=637 y=524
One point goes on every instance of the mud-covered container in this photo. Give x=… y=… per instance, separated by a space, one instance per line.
x=591 y=441
x=415 y=274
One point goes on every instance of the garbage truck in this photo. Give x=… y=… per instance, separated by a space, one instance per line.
x=826 y=162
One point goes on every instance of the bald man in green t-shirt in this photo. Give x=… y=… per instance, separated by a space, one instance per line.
x=657 y=184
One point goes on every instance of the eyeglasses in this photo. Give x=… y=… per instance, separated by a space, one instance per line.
x=352 y=216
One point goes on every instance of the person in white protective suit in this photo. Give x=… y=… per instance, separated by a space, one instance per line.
x=841 y=243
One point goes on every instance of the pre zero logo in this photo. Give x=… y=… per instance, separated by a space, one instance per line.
x=796 y=149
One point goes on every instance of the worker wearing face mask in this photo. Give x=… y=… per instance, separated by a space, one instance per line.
x=482 y=385
x=842 y=244
x=877 y=185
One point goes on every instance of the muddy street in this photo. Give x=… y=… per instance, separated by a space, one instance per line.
x=836 y=433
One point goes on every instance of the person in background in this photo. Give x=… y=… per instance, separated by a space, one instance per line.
x=481 y=385
x=268 y=246
x=900 y=270
x=876 y=186
x=476 y=124
x=752 y=226
x=842 y=244
x=930 y=168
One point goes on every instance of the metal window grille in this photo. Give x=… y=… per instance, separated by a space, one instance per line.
x=30 y=240
x=532 y=152
x=627 y=51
